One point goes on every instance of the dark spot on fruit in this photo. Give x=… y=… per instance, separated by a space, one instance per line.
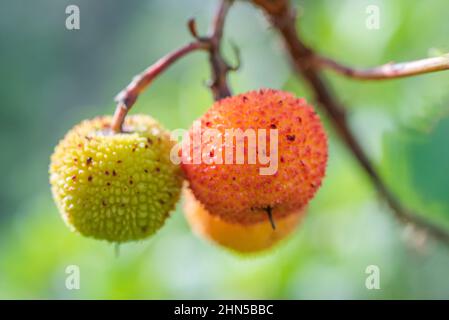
x=158 y=169
x=282 y=159
x=108 y=184
x=233 y=178
x=144 y=228
x=161 y=201
x=119 y=161
x=131 y=182
x=211 y=153
x=146 y=146
x=145 y=170
x=208 y=123
x=150 y=141
x=89 y=178
x=299 y=119
x=75 y=159
x=245 y=98
x=114 y=173
x=103 y=203
x=88 y=138
x=80 y=145
x=291 y=137
x=134 y=150
x=89 y=161
x=273 y=126
x=106 y=172
x=73 y=178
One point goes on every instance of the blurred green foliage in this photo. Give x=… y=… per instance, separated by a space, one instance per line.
x=420 y=158
x=52 y=78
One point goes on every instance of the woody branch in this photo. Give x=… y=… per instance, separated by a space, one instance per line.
x=304 y=60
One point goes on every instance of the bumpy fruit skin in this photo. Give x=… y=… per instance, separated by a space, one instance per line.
x=238 y=193
x=116 y=187
x=234 y=236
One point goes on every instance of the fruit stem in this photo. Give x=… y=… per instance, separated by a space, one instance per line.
x=119 y=117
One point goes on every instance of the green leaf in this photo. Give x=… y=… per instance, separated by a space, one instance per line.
x=416 y=166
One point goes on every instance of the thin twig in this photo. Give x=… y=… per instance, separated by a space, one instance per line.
x=127 y=97
x=219 y=68
x=283 y=19
x=387 y=71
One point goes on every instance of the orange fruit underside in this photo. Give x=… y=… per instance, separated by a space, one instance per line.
x=238 y=237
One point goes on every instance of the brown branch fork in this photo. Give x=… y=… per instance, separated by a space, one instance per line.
x=387 y=71
x=211 y=43
x=308 y=65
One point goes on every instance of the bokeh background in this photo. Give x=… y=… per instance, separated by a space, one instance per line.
x=52 y=78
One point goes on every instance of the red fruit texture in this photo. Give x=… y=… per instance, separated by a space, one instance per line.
x=238 y=192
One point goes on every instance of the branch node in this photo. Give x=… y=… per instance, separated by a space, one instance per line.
x=191 y=24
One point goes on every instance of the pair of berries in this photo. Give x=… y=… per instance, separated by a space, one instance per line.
x=122 y=186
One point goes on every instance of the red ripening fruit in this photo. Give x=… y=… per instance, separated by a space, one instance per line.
x=239 y=193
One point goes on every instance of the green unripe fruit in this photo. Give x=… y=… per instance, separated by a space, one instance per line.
x=115 y=186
